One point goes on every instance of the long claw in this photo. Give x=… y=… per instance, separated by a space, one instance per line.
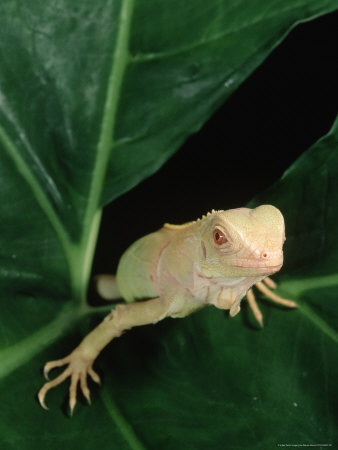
x=72 y=392
x=49 y=385
x=41 y=398
x=84 y=387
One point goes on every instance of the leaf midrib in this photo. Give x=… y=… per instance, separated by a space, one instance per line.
x=105 y=145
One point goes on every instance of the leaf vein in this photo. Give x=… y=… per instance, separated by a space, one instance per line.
x=41 y=197
x=142 y=57
x=121 y=423
x=16 y=355
x=319 y=322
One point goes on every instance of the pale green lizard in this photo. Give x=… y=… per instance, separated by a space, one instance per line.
x=178 y=270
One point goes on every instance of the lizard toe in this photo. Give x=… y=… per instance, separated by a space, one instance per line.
x=50 y=385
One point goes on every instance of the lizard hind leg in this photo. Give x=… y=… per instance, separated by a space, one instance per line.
x=106 y=287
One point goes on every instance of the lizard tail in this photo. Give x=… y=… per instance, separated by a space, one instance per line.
x=106 y=287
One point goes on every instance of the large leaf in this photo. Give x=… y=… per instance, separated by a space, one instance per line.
x=93 y=98
x=208 y=381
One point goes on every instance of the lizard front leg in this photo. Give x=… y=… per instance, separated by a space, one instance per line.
x=80 y=360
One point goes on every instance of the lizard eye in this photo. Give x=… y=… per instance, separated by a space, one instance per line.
x=219 y=237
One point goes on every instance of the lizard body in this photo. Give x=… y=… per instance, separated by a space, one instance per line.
x=184 y=261
x=178 y=270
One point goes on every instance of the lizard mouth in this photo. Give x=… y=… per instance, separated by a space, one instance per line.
x=252 y=264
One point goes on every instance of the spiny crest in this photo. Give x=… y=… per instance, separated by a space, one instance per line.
x=213 y=211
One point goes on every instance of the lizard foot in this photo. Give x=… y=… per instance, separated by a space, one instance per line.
x=78 y=367
x=265 y=287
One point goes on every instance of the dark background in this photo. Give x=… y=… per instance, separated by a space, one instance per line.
x=281 y=110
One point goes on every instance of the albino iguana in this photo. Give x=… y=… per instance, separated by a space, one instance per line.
x=176 y=271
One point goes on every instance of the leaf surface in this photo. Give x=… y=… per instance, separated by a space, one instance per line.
x=93 y=98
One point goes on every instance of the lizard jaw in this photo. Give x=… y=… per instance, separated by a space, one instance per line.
x=265 y=266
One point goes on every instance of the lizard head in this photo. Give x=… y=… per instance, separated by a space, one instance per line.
x=242 y=242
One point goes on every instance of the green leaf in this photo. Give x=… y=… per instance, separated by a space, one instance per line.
x=311 y=274
x=93 y=98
